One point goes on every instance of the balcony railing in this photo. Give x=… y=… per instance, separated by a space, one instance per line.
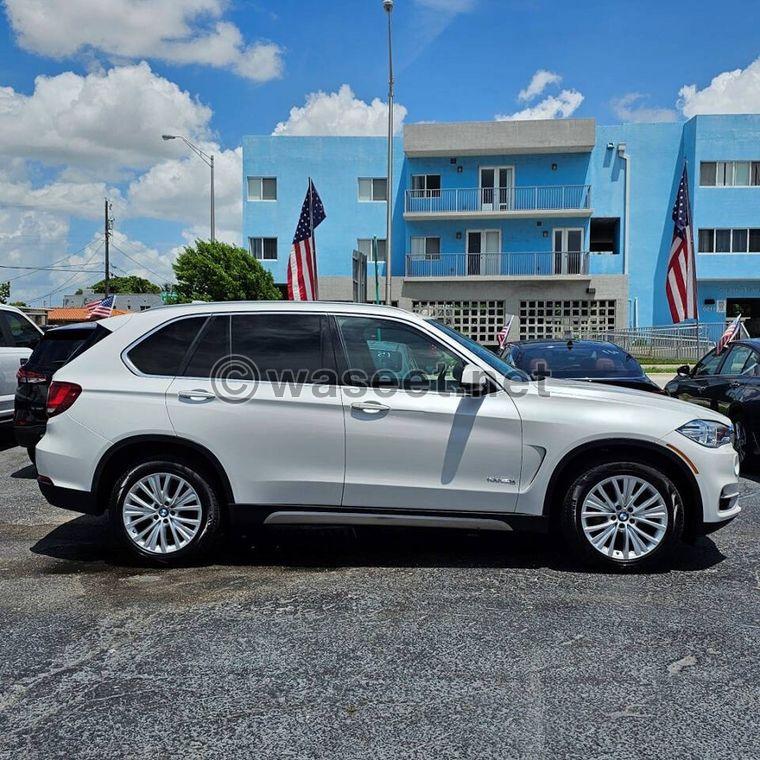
x=529 y=264
x=506 y=200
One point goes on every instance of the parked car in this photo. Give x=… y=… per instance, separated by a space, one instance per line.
x=57 y=346
x=188 y=418
x=18 y=336
x=728 y=383
x=595 y=361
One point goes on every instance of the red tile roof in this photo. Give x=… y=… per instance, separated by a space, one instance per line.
x=75 y=315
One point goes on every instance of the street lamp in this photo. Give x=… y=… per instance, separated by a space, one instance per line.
x=388 y=7
x=209 y=161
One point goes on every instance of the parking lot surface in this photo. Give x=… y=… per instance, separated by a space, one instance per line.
x=385 y=643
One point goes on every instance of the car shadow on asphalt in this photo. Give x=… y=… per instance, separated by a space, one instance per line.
x=86 y=544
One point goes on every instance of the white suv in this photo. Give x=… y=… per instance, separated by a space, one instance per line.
x=188 y=419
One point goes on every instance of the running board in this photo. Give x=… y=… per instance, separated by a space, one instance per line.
x=360 y=518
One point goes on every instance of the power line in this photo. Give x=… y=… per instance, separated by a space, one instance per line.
x=66 y=282
x=58 y=261
x=138 y=263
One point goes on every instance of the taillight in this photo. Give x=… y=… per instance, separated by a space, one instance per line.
x=25 y=375
x=61 y=396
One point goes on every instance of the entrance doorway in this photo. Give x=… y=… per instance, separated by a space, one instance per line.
x=568 y=247
x=747 y=307
x=497 y=187
x=483 y=251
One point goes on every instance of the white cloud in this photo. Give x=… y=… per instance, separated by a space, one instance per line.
x=99 y=120
x=538 y=83
x=735 y=91
x=176 y=31
x=178 y=189
x=136 y=258
x=340 y=113
x=627 y=110
x=552 y=107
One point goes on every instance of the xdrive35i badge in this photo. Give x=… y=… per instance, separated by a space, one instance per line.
x=497 y=479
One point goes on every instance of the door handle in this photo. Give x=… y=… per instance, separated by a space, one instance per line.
x=197 y=394
x=370 y=406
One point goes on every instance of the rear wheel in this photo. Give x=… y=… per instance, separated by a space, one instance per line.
x=165 y=512
x=623 y=515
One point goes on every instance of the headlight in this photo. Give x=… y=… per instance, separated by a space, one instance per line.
x=708 y=433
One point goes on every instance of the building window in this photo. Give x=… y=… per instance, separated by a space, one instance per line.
x=426 y=247
x=740 y=240
x=364 y=245
x=262 y=188
x=263 y=249
x=373 y=189
x=729 y=173
x=604 y=235
x=426 y=185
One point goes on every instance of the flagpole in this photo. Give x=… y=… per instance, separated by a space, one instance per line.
x=693 y=256
x=313 y=239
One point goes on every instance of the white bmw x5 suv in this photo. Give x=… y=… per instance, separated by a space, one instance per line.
x=189 y=419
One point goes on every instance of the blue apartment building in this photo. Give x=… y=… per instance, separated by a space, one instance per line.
x=563 y=223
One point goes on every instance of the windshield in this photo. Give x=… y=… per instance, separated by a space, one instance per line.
x=568 y=360
x=483 y=353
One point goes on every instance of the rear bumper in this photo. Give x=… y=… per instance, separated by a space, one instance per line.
x=68 y=498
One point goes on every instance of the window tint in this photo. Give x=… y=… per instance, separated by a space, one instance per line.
x=59 y=346
x=22 y=333
x=283 y=347
x=212 y=347
x=708 y=365
x=162 y=352
x=736 y=360
x=382 y=352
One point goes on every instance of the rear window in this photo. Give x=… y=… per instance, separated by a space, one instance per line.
x=579 y=361
x=59 y=346
x=163 y=352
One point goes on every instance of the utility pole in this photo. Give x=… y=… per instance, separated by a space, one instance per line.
x=388 y=6
x=107 y=234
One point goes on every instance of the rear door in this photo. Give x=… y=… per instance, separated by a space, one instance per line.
x=259 y=390
x=730 y=377
x=18 y=336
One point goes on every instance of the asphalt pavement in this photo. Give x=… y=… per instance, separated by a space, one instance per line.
x=372 y=644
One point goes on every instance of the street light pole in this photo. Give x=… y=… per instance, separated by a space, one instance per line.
x=388 y=6
x=209 y=161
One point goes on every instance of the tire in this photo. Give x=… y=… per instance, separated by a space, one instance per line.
x=32 y=452
x=632 y=534
x=745 y=445
x=149 y=528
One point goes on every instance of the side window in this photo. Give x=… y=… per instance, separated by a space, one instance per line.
x=21 y=331
x=381 y=352
x=163 y=352
x=708 y=364
x=211 y=349
x=284 y=347
x=736 y=360
x=752 y=366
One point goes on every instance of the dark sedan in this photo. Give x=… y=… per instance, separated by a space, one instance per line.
x=728 y=383
x=595 y=361
x=58 y=346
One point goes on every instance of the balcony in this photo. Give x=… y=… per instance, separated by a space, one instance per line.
x=513 y=264
x=498 y=202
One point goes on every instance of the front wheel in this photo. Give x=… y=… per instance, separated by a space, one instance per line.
x=165 y=512
x=623 y=515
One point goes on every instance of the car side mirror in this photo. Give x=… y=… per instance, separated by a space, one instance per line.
x=684 y=371
x=473 y=379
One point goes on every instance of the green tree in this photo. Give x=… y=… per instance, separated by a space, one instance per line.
x=128 y=284
x=5 y=292
x=217 y=271
x=18 y=304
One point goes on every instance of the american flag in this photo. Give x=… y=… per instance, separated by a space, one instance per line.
x=732 y=332
x=302 y=266
x=681 y=284
x=501 y=336
x=100 y=309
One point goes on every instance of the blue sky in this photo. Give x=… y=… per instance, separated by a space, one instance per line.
x=88 y=86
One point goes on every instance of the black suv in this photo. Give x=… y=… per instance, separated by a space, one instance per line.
x=58 y=346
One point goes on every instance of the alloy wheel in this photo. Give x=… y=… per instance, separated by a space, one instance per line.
x=624 y=517
x=162 y=513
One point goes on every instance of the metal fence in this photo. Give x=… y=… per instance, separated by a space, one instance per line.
x=514 y=263
x=667 y=343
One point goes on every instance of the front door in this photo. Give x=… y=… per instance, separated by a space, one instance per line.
x=497 y=187
x=700 y=386
x=483 y=251
x=568 y=247
x=258 y=393
x=18 y=336
x=412 y=441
